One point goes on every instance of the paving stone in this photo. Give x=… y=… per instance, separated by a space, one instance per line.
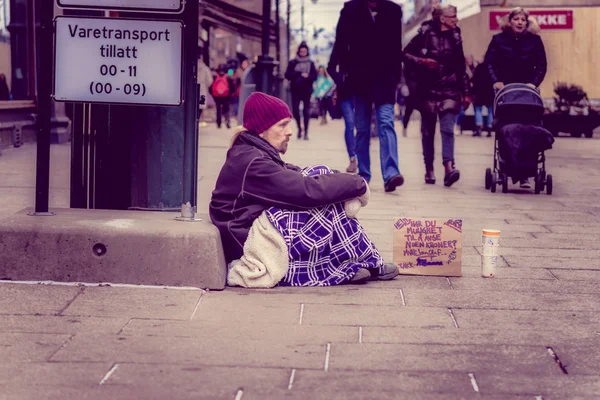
x=563 y=387
x=581 y=357
x=208 y=350
x=45 y=373
x=525 y=285
x=344 y=294
x=326 y=394
x=549 y=243
x=175 y=381
x=60 y=324
x=479 y=335
x=577 y=275
x=453 y=358
x=211 y=309
x=138 y=303
x=575 y=228
x=383 y=381
x=316 y=314
x=276 y=333
x=409 y=282
x=41 y=299
x=29 y=347
x=583 y=262
x=552 y=253
x=503 y=300
x=563 y=216
x=543 y=320
x=509 y=273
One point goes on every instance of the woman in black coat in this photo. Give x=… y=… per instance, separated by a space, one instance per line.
x=302 y=73
x=517 y=54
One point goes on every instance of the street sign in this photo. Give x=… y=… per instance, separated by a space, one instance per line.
x=547 y=19
x=131 y=5
x=118 y=61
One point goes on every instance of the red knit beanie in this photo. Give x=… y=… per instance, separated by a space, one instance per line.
x=262 y=111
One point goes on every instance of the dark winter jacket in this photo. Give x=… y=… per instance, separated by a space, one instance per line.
x=299 y=85
x=483 y=87
x=340 y=77
x=369 y=50
x=442 y=88
x=513 y=58
x=254 y=178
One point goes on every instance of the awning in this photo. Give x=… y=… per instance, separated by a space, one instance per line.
x=234 y=19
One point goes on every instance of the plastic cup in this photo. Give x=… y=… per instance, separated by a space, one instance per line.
x=490 y=243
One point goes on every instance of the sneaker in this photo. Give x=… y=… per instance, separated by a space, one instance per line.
x=525 y=184
x=362 y=275
x=393 y=183
x=477 y=131
x=353 y=167
x=390 y=271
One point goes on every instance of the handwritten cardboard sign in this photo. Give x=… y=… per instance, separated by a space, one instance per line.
x=426 y=246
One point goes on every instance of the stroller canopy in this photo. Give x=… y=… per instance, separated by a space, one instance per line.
x=518 y=98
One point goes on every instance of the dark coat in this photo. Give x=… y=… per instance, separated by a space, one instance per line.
x=369 y=51
x=299 y=85
x=483 y=87
x=513 y=58
x=442 y=88
x=340 y=78
x=255 y=177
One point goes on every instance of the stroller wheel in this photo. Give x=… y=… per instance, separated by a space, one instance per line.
x=494 y=182
x=488 y=179
x=539 y=183
x=504 y=184
x=549 y=184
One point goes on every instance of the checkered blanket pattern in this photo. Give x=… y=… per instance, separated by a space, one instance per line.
x=325 y=246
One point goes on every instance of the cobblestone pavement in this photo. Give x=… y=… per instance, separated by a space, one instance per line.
x=532 y=332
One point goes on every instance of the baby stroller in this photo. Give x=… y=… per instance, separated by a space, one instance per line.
x=520 y=139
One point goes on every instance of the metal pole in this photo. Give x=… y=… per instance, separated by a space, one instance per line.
x=302 y=14
x=266 y=27
x=190 y=142
x=289 y=29
x=44 y=111
x=277 y=36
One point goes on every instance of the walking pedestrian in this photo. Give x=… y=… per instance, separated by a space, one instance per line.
x=4 y=90
x=302 y=73
x=443 y=86
x=221 y=90
x=239 y=74
x=205 y=80
x=483 y=96
x=282 y=224
x=321 y=92
x=344 y=96
x=517 y=55
x=368 y=44
x=471 y=65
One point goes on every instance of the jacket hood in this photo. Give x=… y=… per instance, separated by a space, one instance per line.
x=532 y=27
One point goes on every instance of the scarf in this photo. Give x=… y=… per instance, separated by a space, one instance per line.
x=303 y=64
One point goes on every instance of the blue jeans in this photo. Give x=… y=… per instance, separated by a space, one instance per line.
x=388 y=143
x=460 y=117
x=348 y=114
x=428 y=123
x=479 y=116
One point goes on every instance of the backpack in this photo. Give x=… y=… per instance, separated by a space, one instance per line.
x=220 y=87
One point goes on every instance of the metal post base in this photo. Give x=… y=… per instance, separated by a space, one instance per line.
x=188 y=214
x=41 y=214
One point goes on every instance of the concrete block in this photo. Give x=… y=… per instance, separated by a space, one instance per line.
x=549 y=320
x=59 y=374
x=577 y=275
x=133 y=247
x=60 y=324
x=562 y=387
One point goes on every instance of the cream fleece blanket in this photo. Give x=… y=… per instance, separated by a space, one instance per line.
x=265 y=259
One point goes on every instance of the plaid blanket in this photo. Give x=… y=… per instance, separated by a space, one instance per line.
x=325 y=246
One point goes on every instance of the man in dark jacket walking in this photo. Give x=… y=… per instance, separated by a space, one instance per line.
x=369 y=46
x=254 y=179
x=443 y=85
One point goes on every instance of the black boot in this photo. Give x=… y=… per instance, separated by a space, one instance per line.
x=452 y=174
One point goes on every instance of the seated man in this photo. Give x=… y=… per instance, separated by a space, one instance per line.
x=281 y=224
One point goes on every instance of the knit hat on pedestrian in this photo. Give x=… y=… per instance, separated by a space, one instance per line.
x=262 y=111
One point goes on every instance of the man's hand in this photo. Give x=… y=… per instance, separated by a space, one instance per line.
x=531 y=85
x=498 y=85
x=305 y=75
x=429 y=63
